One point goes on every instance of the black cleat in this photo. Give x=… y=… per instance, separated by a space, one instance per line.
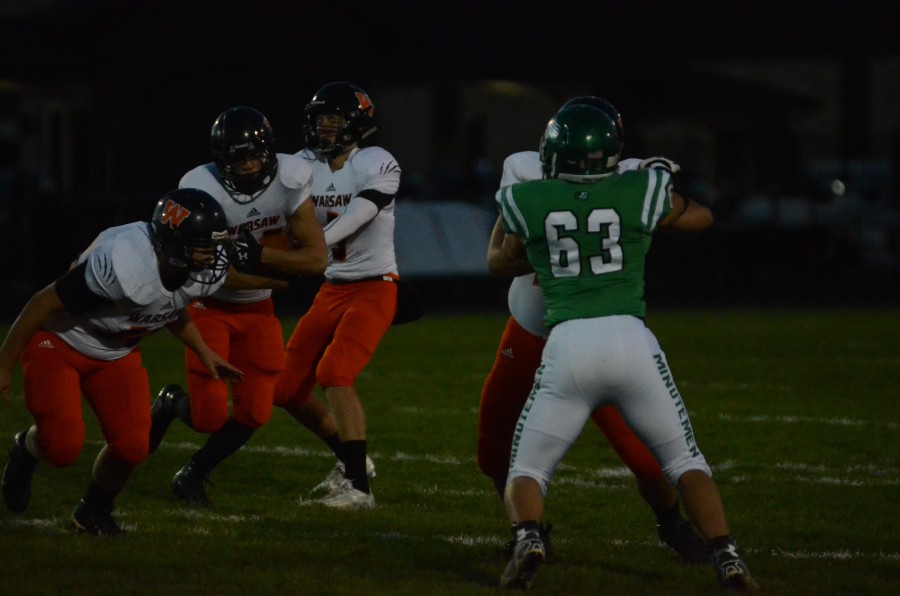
x=510 y=547
x=17 y=475
x=95 y=521
x=163 y=412
x=732 y=573
x=684 y=540
x=189 y=485
x=528 y=554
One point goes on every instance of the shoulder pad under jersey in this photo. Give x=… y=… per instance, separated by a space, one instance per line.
x=200 y=177
x=375 y=168
x=293 y=171
x=625 y=165
x=523 y=166
x=136 y=269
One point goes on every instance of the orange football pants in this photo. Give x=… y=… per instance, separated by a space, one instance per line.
x=505 y=392
x=118 y=391
x=336 y=338
x=248 y=336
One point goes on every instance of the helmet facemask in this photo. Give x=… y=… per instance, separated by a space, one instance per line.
x=188 y=260
x=338 y=111
x=247 y=172
x=243 y=148
x=189 y=230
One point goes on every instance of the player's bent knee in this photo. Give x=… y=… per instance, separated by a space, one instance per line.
x=524 y=477
x=208 y=422
x=61 y=455
x=132 y=451
x=252 y=419
x=491 y=465
x=676 y=469
x=648 y=471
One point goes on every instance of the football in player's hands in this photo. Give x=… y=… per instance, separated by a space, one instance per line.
x=279 y=239
x=660 y=163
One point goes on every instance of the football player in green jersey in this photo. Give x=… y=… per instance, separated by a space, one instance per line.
x=586 y=230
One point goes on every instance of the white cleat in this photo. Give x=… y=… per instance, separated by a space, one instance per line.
x=347 y=497
x=336 y=476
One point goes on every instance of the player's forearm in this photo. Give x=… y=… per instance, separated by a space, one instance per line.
x=245 y=281
x=187 y=333
x=29 y=322
x=358 y=213
x=695 y=218
x=309 y=259
x=501 y=266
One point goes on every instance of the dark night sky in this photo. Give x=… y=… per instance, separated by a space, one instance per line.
x=194 y=41
x=153 y=71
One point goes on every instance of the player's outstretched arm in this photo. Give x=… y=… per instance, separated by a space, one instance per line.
x=686 y=216
x=29 y=321
x=186 y=331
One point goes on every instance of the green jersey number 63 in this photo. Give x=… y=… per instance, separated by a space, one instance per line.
x=565 y=253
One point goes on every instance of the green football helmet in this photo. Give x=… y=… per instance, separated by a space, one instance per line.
x=580 y=144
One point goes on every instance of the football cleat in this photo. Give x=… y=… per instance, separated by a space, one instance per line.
x=336 y=476
x=189 y=485
x=527 y=557
x=510 y=547
x=163 y=412
x=682 y=538
x=95 y=521
x=17 y=475
x=347 y=497
x=732 y=573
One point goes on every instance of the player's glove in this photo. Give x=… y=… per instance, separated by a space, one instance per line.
x=245 y=254
x=660 y=163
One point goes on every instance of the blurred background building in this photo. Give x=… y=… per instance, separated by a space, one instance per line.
x=784 y=116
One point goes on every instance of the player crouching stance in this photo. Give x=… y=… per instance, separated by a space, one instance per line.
x=79 y=334
x=585 y=230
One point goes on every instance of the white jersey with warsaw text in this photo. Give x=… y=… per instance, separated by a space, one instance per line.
x=525 y=298
x=369 y=251
x=269 y=211
x=122 y=267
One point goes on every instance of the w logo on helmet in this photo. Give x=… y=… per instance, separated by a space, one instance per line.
x=173 y=214
x=365 y=104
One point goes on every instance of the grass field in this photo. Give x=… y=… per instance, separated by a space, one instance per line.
x=797 y=413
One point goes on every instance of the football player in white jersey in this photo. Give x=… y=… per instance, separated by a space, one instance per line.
x=262 y=192
x=519 y=354
x=79 y=334
x=353 y=190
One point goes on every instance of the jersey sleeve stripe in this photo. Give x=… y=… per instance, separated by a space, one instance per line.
x=648 y=198
x=511 y=212
x=661 y=192
x=105 y=269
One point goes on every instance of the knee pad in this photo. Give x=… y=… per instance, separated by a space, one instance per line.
x=132 y=450
x=330 y=374
x=62 y=452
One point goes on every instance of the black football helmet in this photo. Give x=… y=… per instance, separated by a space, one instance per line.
x=238 y=134
x=349 y=102
x=605 y=107
x=184 y=220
